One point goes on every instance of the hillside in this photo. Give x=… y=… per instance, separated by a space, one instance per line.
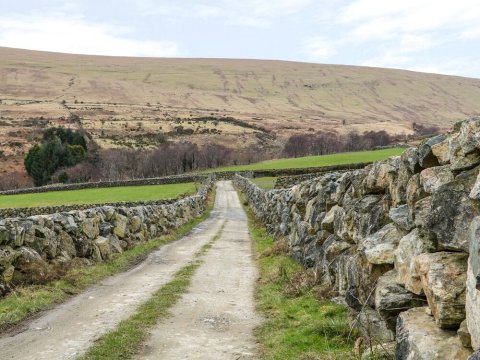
x=130 y=101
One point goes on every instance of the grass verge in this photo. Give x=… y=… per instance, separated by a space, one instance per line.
x=127 y=339
x=98 y=195
x=299 y=323
x=26 y=301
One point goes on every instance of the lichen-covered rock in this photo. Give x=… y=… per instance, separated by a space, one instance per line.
x=443 y=276
x=434 y=177
x=362 y=278
x=411 y=160
x=363 y=217
x=391 y=298
x=66 y=245
x=90 y=227
x=379 y=247
x=103 y=245
x=382 y=351
x=426 y=158
x=451 y=210
x=371 y=326
x=328 y=221
x=399 y=215
x=120 y=225
x=328 y=258
x=475 y=356
x=469 y=135
x=473 y=284
x=376 y=180
x=441 y=151
x=419 y=338
x=464 y=334
x=408 y=248
x=7 y=256
x=415 y=190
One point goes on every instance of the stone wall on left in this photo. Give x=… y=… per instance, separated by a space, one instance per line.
x=33 y=246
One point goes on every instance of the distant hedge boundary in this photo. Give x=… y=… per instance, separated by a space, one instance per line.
x=174 y=179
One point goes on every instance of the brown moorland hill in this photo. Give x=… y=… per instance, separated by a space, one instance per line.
x=136 y=102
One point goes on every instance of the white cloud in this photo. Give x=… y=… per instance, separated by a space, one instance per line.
x=405 y=34
x=252 y=13
x=379 y=19
x=319 y=49
x=70 y=34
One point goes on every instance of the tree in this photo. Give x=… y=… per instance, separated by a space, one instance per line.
x=59 y=148
x=63 y=177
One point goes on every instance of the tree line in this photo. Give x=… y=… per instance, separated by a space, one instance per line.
x=169 y=158
x=64 y=155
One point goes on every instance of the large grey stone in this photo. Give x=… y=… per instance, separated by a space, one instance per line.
x=371 y=326
x=425 y=156
x=408 y=248
x=391 y=298
x=399 y=215
x=379 y=247
x=419 y=338
x=473 y=284
x=434 y=177
x=443 y=276
x=450 y=212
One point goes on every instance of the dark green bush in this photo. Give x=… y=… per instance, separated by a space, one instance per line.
x=60 y=147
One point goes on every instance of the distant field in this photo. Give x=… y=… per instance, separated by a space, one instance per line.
x=265 y=183
x=97 y=196
x=318 y=161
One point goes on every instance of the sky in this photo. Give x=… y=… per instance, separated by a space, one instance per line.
x=440 y=36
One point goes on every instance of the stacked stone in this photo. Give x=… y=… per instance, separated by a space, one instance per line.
x=33 y=247
x=398 y=240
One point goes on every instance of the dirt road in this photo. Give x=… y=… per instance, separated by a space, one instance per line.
x=215 y=318
x=68 y=330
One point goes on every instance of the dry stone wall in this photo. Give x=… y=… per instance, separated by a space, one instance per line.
x=397 y=240
x=174 y=179
x=36 y=248
x=44 y=210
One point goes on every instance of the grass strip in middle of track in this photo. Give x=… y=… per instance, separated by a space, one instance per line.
x=126 y=340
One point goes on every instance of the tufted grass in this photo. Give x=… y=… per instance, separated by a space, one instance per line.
x=265 y=183
x=317 y=161
x=25 y=301
x=98 y=195
x=125 y=341
x=298 y=325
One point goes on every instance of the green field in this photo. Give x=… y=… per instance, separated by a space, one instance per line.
x=265 y=183
x=317 y=161
x=98 y=195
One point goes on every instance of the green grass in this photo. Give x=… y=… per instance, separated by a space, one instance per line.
x=297 y=325
x=25 y=301
x=317 y=161
x=97 y=195
x=127 y=339
x=265 y=183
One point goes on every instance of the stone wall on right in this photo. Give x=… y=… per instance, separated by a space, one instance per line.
x=397 y=241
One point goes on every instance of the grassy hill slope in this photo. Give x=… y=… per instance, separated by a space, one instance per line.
x=124 y=101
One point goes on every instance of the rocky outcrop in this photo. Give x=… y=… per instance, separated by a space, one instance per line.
x=396 y=235
x=33 y=247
